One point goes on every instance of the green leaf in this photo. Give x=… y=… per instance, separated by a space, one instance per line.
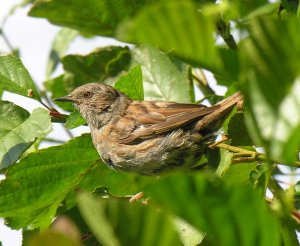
x=95 y=67
x=239 y=173
x=108 y=220
x=237 y=131
x=74 y=120
x=241 y=9
x=11 y=116
x=223 y=211
x=60 y=45
x=163 y=80
x=176 y=26
x=189 y=236
x=260 y=177
x=286 y=138
x=94 y=214
x=75 y=215
x=271 y=86
x=58 y=89
x=15 y=78
x=117 y=183
x=224 y=163
x=35 y=186
x=132 y=84
x=96 y=17
x=18 y=139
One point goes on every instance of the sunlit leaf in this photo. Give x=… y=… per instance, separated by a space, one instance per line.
x=286 y=139
x=15 y=78
x=132 y=84
x=271 y=86
x=74 y=120
x=162 y=79
x=189 y=236
x=16 y=140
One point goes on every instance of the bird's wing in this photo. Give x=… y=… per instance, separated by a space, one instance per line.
x=145 y=120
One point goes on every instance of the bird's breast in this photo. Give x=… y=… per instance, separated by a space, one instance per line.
x=149 y=156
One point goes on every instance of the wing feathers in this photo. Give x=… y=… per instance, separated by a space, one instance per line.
x=153 y=118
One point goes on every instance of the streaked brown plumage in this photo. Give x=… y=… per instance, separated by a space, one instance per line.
x=147 y=137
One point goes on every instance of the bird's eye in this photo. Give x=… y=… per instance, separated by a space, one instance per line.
x=88 y=94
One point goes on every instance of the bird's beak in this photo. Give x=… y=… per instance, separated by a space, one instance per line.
x=64 y=99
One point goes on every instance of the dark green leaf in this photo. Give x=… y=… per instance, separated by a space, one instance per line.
x=16 y=140
x=74 y=120
x=223 y=211
x=162 y=79
x=132 y=84
x=92 y=17
x=108 y=220
x=43 y=178
x=238 y=132
x=15 y=78
x=117 y=183
x=230 y=73
x=260 y=177
x=176 y=26
x=58 y=89
x=96 y=66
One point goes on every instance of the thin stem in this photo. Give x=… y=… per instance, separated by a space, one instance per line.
x=52 y=140
x=249 y=155
x=224 y=31
x=7 y=42
x=202 y=83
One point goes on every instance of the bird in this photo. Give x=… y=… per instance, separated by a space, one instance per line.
x=147 y=137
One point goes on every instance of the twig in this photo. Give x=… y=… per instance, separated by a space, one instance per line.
x=52 y=140
x=248 y=155
x=7 y=42
x=202 y=83
x=224 y=31
x=52 y=107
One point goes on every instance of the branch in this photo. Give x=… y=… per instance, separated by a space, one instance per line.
x=243 y=155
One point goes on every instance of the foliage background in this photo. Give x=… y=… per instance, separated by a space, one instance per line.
x=221 y=202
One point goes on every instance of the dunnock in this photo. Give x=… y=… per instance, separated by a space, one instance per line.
x=147 y=137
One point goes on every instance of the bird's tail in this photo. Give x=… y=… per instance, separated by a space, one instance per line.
x=215 y=119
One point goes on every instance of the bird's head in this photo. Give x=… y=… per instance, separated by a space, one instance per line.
x=93 y=99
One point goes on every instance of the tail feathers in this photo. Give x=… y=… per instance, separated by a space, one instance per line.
x=215 y=119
